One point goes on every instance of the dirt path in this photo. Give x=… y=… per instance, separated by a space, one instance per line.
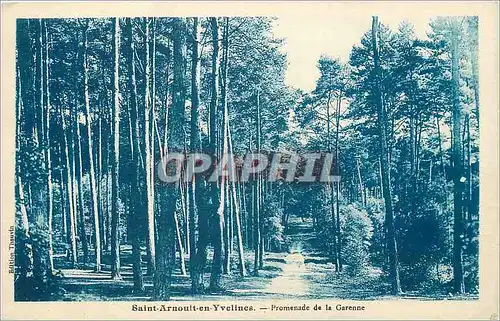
x=291 y=281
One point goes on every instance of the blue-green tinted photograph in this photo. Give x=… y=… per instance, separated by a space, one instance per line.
x=246 y=158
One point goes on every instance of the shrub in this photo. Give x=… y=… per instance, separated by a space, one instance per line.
x=356 y=234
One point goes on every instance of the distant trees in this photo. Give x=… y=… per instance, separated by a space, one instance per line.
x=415 y=92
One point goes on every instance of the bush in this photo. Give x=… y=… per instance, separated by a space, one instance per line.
x=356 y=234
x=423 y=234
x=272 y=225
x=376 y=213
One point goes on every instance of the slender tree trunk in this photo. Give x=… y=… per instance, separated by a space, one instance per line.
x=256 y=200
x=185 y=215
x=217 y=261
x=74 y=157
x=106 y=214
x=361 y=185
x=47 y=149
x=69 y=193
x=458 y=231
x=149 y=186
x=260 y=199
x=115 y=156
x=330 y=187
x=230 y=209
x=78 y=174
x=226 y=205
x=386 y=179
x=180 y=247
x=93 y=192
x=239 y=237
x=104 y=234
x=135 y=202
x=63 y=197
x=246 y=216
x=154 y=128
x=337 y=184
x=227 y=231
x=193 y=186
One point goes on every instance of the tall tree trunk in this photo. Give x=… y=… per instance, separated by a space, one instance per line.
x=149 y=152
x=78 y=174
x=47 y=150
x=255 y=206
x=386 y=178
x=115 y=156
x=72 y=179
x=246 y=216
x=226 y=267
x=41 y=254
x=205 y=212
x=104 y=234
x=337 y=184
x=330 y=187
x=257 y=199
x=236 y=205
x=219 y=215
x=194 y=186
x=106 y=214
x=93 y=189
x=62 y=199
x=225 y=150
x=260 y=198
x=180 y=247
x=168 y=195
x=458 y=231
x=135 y=202
x=154 y=127
x=75 y=155
x=69 y=192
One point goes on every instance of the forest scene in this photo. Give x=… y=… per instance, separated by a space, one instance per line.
x=101 y=103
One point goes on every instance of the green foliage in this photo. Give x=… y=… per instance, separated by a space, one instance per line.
x=273 y=225
x=357 y=232
x=424 y=234
x=375 y=212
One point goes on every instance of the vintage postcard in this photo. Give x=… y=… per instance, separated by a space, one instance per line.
x=249 y=160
